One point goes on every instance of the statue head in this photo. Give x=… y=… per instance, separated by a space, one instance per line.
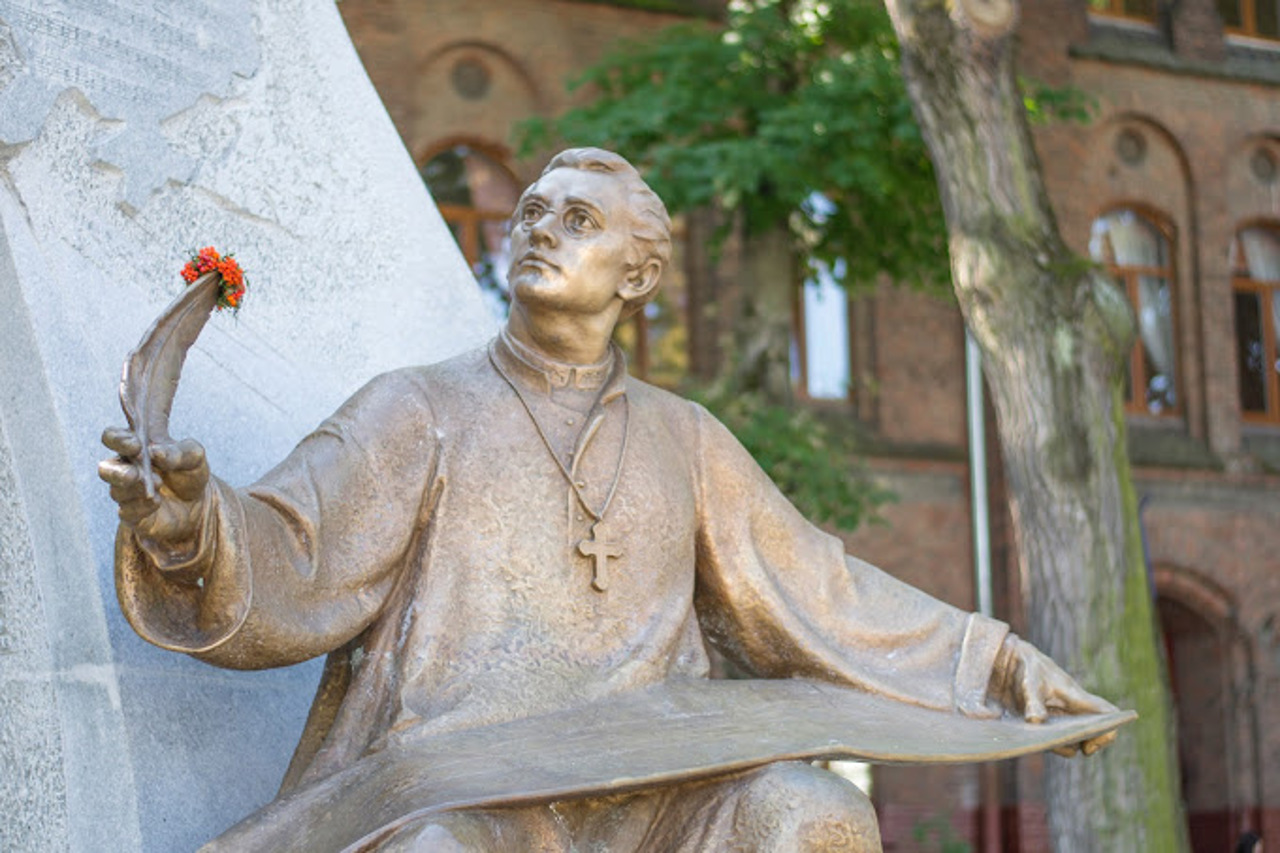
x=592 y=211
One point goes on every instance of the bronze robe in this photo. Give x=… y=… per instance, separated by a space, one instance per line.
x=426 y=532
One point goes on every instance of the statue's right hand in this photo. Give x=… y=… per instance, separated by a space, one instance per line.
x=168 y=523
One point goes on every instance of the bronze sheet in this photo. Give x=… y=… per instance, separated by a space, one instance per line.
x=672 y=732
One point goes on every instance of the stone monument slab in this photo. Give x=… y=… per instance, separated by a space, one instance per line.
x=130 y=134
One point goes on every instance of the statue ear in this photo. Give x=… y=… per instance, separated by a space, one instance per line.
x=641 y=281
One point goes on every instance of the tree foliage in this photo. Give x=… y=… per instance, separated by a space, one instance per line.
x=793 y=114
x=796 y=447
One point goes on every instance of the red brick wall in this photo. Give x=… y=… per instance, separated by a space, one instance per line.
x=530 y=47
x=918 y=349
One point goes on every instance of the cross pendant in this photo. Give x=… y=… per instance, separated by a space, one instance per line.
x=599 y=552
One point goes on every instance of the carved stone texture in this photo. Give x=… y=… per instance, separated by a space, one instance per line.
x=130 y=134
x=33 y=791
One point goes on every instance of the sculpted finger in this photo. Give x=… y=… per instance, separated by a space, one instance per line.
x=122 y=440
x=135 y=511
x=1068 y=751
x=1074 y=699
x=185 y=455
x=118 y=472
x=1089 y=747
x=186 y=471
x=128 y=493
x=189 y=479
x=1033 y=693
x=1033 y=710
x=188 y=485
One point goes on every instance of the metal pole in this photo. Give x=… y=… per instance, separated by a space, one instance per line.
x=978 y=474
x=991 y=838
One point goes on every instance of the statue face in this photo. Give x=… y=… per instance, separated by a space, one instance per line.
x=570 y=241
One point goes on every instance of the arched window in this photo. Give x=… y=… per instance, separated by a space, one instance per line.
x=1142 y=10
x=1257 y=18
x=476 y=195
x=1138 y=253
x=1255 y=264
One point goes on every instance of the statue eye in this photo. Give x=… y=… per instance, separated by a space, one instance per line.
x=531 y=213
x=578 y=221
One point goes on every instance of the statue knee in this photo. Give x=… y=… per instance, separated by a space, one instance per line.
x=797 y=807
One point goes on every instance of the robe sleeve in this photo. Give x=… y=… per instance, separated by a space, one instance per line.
x=780 y=597
x=302 y=561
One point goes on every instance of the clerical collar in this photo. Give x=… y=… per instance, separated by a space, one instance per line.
x=538 y=370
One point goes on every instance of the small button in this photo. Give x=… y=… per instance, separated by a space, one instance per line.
x=569 y=422
x=580 y=518
x=582 y=484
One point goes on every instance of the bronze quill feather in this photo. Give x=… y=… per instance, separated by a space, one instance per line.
x=151 y=372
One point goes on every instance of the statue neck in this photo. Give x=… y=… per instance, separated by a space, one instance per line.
x=560 y=374
x=561 y=338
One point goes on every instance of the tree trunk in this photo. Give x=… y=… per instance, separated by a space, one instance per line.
x=761 y=328
x=1054 y=335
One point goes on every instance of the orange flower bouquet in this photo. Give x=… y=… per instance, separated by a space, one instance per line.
x=232 y=287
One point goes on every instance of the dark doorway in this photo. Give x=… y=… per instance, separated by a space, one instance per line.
x=1199 y=670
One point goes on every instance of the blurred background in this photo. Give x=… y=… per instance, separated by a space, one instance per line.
x=1157 y=126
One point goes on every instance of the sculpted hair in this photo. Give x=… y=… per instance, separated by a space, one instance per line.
x=650 y=224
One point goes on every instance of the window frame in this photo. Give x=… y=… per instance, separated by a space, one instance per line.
x=466 y=222
x=670 y=300
x=1127 y=278
x=798 y=329
x=1115 y=10
x=1249 y=23
x=471 y=219
x=1242 y=281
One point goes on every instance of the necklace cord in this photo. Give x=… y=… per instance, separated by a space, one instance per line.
x=595 y=409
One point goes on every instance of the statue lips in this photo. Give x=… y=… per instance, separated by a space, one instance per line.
x=536 y=261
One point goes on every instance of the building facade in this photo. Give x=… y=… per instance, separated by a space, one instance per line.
x=1173 y=186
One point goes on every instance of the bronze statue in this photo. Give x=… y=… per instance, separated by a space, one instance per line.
x=516 y=559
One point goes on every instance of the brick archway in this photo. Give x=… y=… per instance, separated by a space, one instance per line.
x=1211 y=672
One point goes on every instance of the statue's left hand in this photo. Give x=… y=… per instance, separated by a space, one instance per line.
x=1027 y=681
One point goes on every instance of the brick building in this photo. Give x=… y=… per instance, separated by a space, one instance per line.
x=1174 y=185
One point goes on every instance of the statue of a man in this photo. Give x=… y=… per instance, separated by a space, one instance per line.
x=524 y=529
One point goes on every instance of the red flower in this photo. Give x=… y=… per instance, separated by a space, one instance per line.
x=232 y=285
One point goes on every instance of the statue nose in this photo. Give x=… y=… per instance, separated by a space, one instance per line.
x=541 y=232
